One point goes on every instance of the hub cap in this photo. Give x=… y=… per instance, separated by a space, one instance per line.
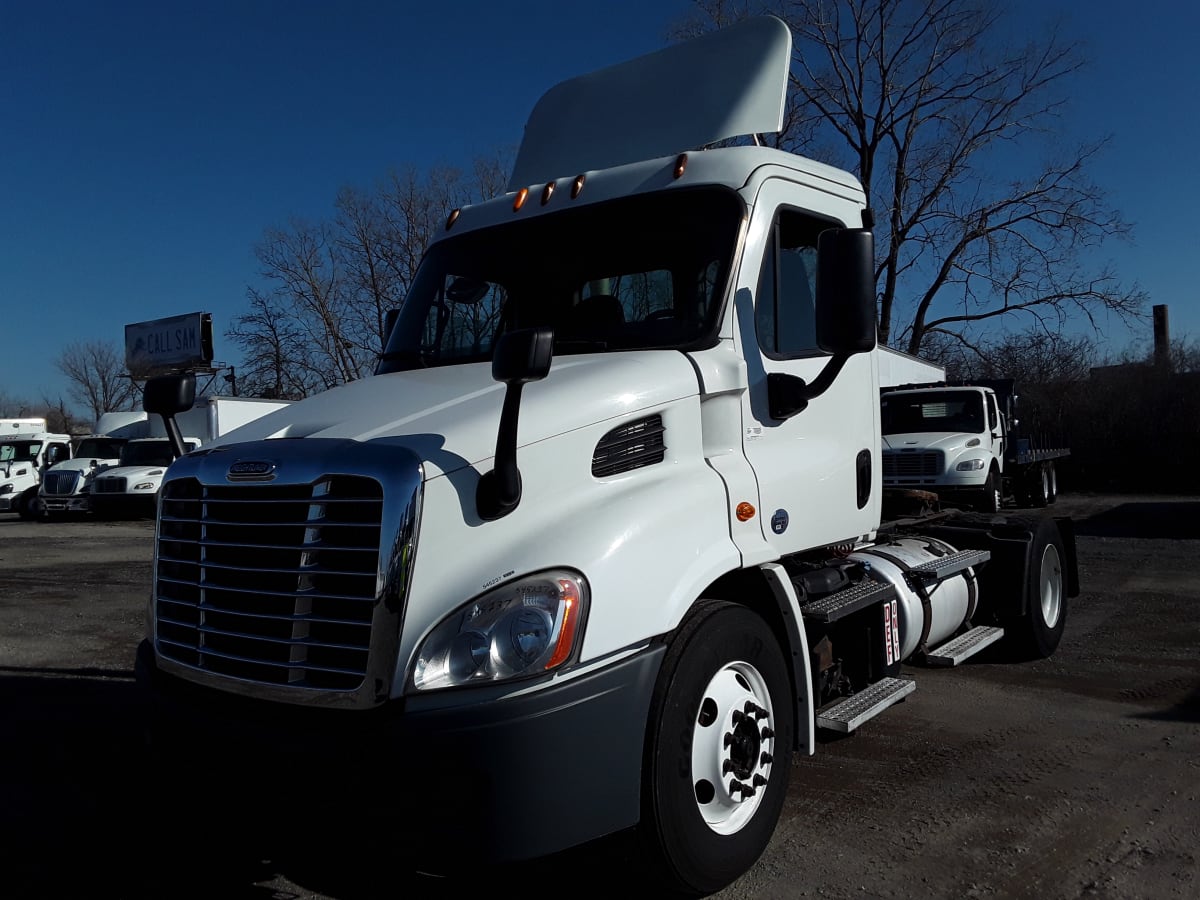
x=1050 y=585
x=733 y=746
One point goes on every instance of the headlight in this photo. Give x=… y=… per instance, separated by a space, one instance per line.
x=144 y=486
x=6 y=488
x=525 y=628
x=970 y=465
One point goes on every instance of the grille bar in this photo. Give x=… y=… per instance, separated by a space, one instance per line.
x=257 y=592
x=243 y=545
x=233 y=657
x=277 y=617
x=298 y=570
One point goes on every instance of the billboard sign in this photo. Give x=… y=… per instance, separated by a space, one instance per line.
x=164 y=345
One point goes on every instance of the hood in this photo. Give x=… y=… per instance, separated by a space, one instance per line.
x=946 y=441
x=81 y=464
x=130 y=471
x=450 y=415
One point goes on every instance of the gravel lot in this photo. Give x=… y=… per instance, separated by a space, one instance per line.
x=1070 y=777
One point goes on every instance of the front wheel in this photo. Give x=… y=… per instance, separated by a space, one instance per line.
x=718 y=749
x=990 y=499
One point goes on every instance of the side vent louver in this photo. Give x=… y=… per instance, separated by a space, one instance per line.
x=630 y=447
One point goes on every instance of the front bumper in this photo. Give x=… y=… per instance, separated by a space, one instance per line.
x=487 y=781
x=78 y=503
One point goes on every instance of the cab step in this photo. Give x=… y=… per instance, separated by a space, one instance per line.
x=849 y=600
x=964 y=646
x=951 y=564
x=847 y=714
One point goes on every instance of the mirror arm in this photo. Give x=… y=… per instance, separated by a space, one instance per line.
x=789 y=395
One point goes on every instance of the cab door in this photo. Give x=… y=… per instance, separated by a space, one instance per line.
x=818 y=471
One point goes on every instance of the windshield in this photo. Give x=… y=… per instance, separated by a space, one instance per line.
x=960 y=411
x=151 y=453
x=637 y=273
x=19 y=451
x=100 y=448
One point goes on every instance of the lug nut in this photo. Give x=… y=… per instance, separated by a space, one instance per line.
x=766 y=759
x=767 y=734
x=759 y=781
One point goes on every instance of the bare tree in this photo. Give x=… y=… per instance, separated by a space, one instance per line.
x=96 y=377
x=319 y=320
x=982 y=217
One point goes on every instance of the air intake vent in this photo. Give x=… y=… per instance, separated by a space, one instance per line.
x=630 y=447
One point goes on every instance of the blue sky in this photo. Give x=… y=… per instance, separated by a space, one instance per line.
x=144 y=147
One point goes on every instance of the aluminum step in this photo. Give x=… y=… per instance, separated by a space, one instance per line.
x=848 y=600
x=846 y=715
x=951 y=564
x=964 y=646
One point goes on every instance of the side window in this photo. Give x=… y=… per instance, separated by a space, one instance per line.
x=785 y=309
x=993 y=418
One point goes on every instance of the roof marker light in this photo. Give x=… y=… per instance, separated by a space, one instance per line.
x=577 y=186
x=546 y=192
x=680 y=165
x=452 y=218
x=520 y=201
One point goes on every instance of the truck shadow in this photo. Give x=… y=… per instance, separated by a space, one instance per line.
x=85 y=812
x=1179 y=519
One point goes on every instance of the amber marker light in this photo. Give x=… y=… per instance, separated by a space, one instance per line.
x=520 y=201
x=547 y=191
x=566 y=634
x=577 y=185
x=680 y=165
x=452 y=218
x=745 y=511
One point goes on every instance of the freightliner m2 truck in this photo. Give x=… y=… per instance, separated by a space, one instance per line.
x=964 y=443
x=599 y=547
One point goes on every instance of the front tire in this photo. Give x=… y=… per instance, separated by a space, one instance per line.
x=718 y=749
x=990 y=500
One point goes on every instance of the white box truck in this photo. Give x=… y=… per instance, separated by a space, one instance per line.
x=599 y=546
x=26 y=451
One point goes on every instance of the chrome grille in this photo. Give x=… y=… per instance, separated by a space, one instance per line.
x=274 y=584
x=60 y=482
x=113 y=485
x=899 y=464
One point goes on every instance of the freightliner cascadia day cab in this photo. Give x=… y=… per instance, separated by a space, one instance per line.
x=599 y=546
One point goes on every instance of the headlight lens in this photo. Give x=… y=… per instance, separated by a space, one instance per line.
x=525 y=628
x=6 y=488
x=970 y=465
x=144 y=486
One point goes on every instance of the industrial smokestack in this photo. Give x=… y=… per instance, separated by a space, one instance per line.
x=1162 y=338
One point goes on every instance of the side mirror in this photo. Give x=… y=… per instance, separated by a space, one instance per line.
x=167 y=395
x=845 y=291
x=520 y=357
x=845 y=308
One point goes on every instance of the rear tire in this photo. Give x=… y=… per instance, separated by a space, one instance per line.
x=1037 y=633
x=1052 y=476
x=1040 y=487
x=718 y=749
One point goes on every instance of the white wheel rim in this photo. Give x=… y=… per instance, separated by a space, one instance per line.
x=1050 y=585
x=733 y=746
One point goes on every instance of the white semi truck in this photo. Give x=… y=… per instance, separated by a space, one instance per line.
x=964 y=443
x=599 y=546
x=27 y=450
x=66 y=487
x=131 y=486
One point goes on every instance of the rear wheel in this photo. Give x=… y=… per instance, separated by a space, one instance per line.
x=718 y=749
x=1037 y=633
x=1040 y=486
x=1052 y=477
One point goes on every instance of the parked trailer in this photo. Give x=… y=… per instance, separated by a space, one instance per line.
x=599 y=546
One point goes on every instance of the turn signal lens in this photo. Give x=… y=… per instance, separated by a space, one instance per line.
x=745 y=511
